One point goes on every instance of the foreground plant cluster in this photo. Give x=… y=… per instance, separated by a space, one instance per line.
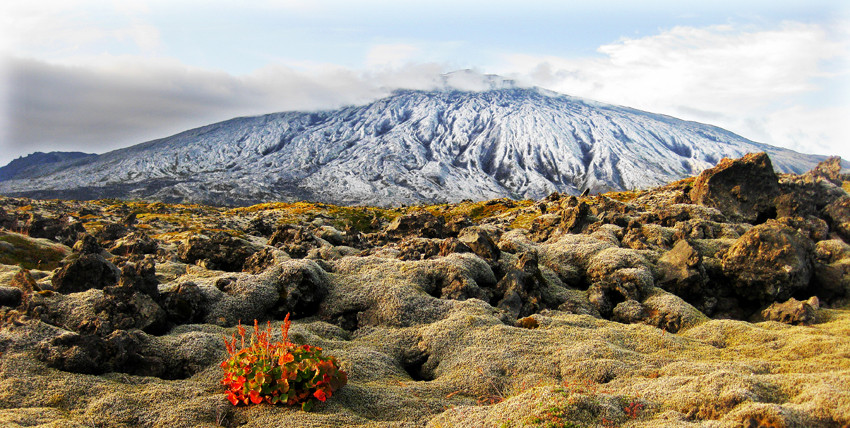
x=278 y=372
x=717 y=301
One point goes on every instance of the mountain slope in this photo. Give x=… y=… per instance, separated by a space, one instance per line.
x=410 y=147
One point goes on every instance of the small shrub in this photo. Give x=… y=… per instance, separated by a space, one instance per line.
x=278 y=372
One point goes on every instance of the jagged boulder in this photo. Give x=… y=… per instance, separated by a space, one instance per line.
x=771 y=262
x=85 y=272
x=8 y=221
x=111 y=232
x=137 y=242
x=649 y=237
x=422 y=224
x=544 y=227
x=574 y=218
x=831 y=269
x=260 y=226
x=453 y=245
x=743 y=189
x=295 y=240
x=837 y=214
x=681 y=272
x=218 y=252
x=302 y=286
x=829 y=169
x=793 y=311
x=61 y=229
x=418 y=248
x=480 y=241
x=87 y=244
x=522 y=289
x=184 y=303
x=140 y=276
x=263 y=260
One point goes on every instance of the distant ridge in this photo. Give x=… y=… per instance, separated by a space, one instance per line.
x=410 y=147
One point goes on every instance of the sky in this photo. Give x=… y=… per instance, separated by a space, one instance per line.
x=94 y=76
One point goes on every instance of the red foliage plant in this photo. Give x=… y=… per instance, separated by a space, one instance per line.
x=278 y=372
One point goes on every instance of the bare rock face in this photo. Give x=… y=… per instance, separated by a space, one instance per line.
x=219 y=252
x=452 y=245
x=830 y=169
x=184 y=303
x=302 y=286
x=62 y=228
x=10 y=296
x=87 y=244
x=681 y=272
x=87 y=271
x=418 y=248
x=296 y=241
x=7 y=221
x=521 y=289
x=140 y=276
x=742 y=189
x=793 y=311
x=480 y=242
x=769 y=263
x=838 y=215
x=263 y=260
x=831 y=269
x=137 y=242
x=423 y=224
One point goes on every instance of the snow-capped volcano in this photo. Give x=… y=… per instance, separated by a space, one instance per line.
x=413 y=146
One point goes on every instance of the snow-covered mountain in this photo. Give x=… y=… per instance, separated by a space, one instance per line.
x=413 y=146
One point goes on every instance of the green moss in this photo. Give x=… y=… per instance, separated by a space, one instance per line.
x=29 y=254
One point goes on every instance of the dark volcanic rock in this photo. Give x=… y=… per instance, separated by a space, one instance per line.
x=184 y=303
x=87 y=244
x=87 y=271
x=452 y=245
x=681 y=272
x=121 y=351
x=295 y=240
x=837 y=214
x=742 y=189
x=521 y=289
x=7 y=221
x=61 y=229
x=140 y=276
x=263 y=260
x=219 y=252
x=480 y=241
x=831 y=269
x=769 y=263
x=418 y=248
x=422 y=224
x=10 y=296
x=302 y=287
x=137 y=242
x=111 y=232
x=574 y=218
x=793 y=311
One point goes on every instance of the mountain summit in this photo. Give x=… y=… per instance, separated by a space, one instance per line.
x=413 y=146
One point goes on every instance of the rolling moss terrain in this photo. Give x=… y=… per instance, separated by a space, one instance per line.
x=716 y=301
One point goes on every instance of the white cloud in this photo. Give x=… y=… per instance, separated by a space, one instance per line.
x=391 y=55
x=758 y=83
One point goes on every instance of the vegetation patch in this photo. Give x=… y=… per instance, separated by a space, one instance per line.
x=28 y=253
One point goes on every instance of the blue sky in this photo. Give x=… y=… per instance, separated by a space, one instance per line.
x=98 y=75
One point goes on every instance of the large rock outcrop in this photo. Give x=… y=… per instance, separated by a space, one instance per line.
x=742 y=189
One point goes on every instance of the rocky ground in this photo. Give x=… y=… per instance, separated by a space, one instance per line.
x=720 y=300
